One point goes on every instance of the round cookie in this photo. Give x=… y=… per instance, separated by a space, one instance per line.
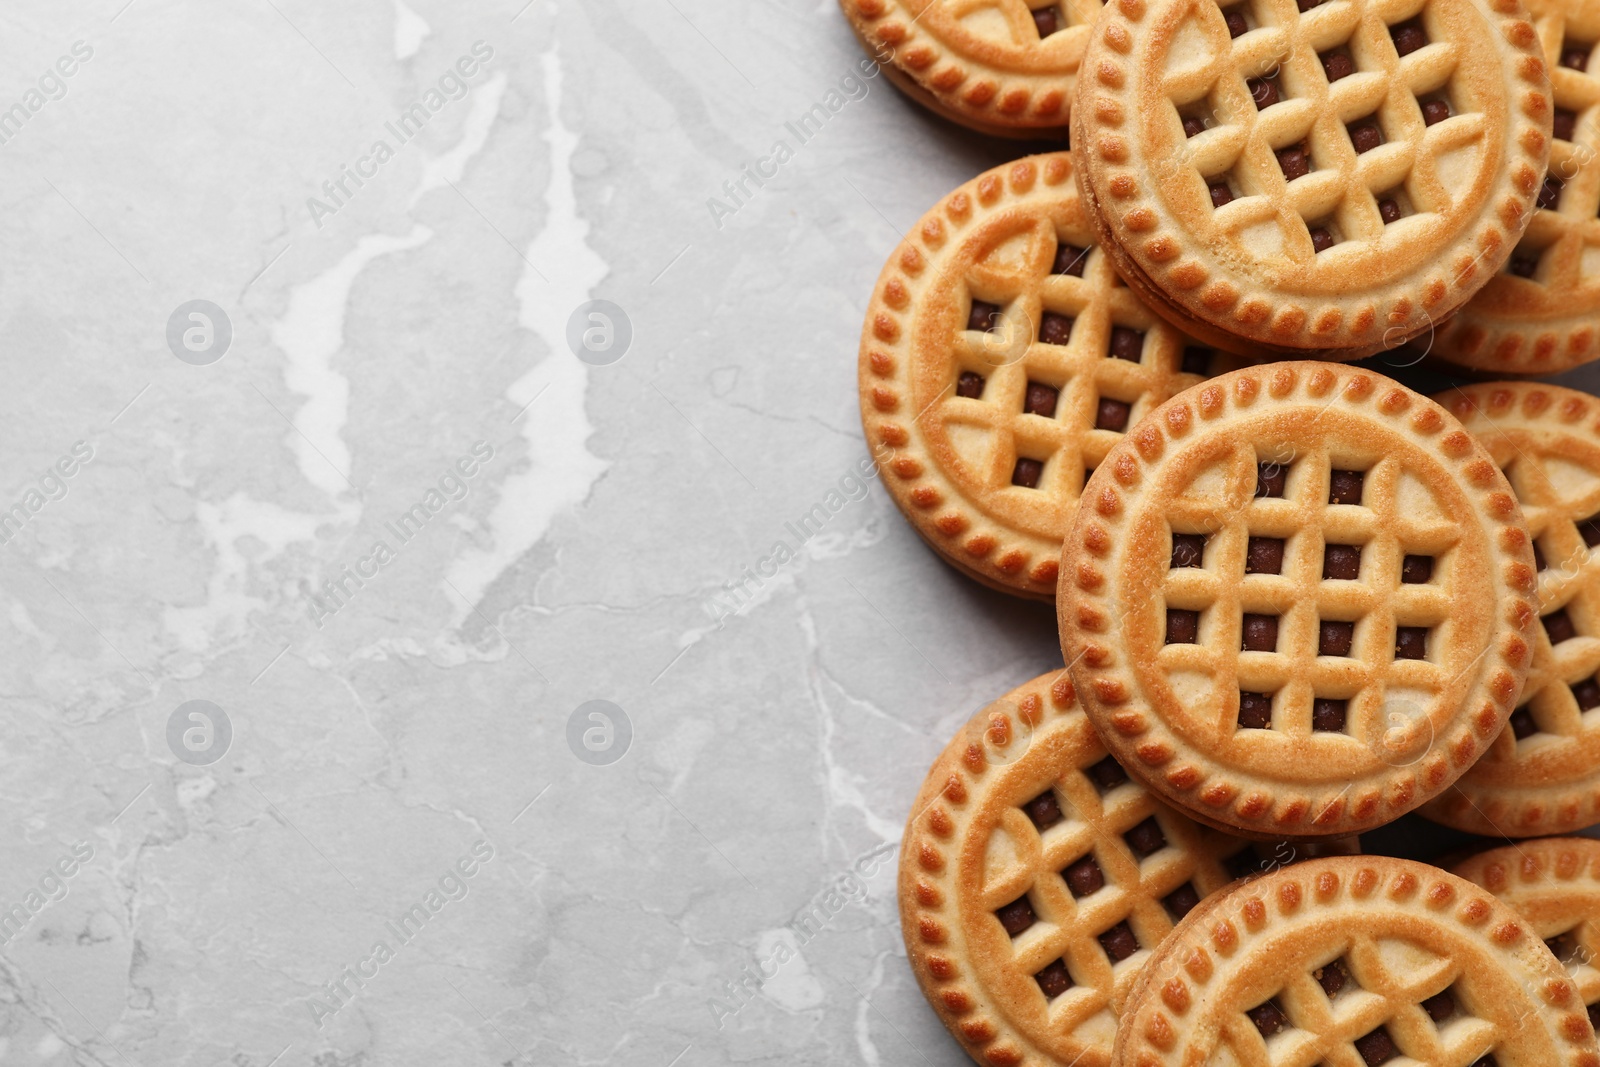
x=1353 y=961
x=1541 y=314
x=1295 y=600
x=1001 y=67
x=1317 y=178
x=1001 y=358
x=1542 y=774
x=1036 y=877
x=1554 y=884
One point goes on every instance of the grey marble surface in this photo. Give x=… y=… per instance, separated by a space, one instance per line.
x=372 y=510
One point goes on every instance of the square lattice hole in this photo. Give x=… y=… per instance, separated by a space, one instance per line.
x=1559 y=627
x=1337 y=63
x=1055 y=328
x=1408 y=36
x=1566 y=123
x=969 y=384
x=1550 y=193
x=983 y=316
x=1048 y=20
x=1255 y=711
x=1183 y=626
x=1325 y=233
x=1410 y=642
x=1538 y=557
x=1341 y=563
x=1295 y=161
x=1119 y=942
x=1346 y=486
x=1264 y=555
x=1181 y=901
x=1441 y=1007
x=1044 y=810
x=1197 y=360
x=1084 y=876
x=1258 y=633
x=1028 y=473
x=1239 y=18
x=1040 y=399
x=1575 y=53
x=1377 y=1047
x=1271 y=478
x=1146 y=839
x=1222 y=189
x=1335 y=637
x=1335 y=979
x=1188 y=549
x=1394 y=205
x=1016 y=916
x=1328 y=715
x=1106 y=775
x=1054 y=980
x=1365 y=133
x=1112 y=414
x=1088 y=472
x=1269 y=1017
x=1070 y=259
x=1436 y=107
x=1266 y=91
x=1198 y=116
x=1416 y=570
x=1587 y=693
x=1127 y=343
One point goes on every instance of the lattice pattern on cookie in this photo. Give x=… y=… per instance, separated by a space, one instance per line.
x=1015 y=22
x=1007 y=64
x=1562 y=512
x=1037 y=877
x=1311 y=178
x=1322 y=123
x=1000 y=360
x=1356 y=962
x=1057 y=361
x=1554 y=884
x=1540 y=775
x=1316 y=620
x=1295 y=598
x=1540 y=317
x=1115 y=870
x=1356 y=1008
x=1561 y=249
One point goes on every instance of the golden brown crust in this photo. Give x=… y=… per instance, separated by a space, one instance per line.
x=1551 y=321
x=1547 y=440
x=1554 y=884
x=949 y=461
x=983 y=65
x=1237 y=738
x=1402 y=932
x=971 y=847
x=1464 y=185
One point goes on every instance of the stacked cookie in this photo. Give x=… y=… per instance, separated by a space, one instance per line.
x=1296 y=599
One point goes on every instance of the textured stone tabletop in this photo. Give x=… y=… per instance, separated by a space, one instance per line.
x=323 y=539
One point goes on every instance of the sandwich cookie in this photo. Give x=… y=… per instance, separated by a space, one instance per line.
x=1001 y=359
x=1297 y=600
